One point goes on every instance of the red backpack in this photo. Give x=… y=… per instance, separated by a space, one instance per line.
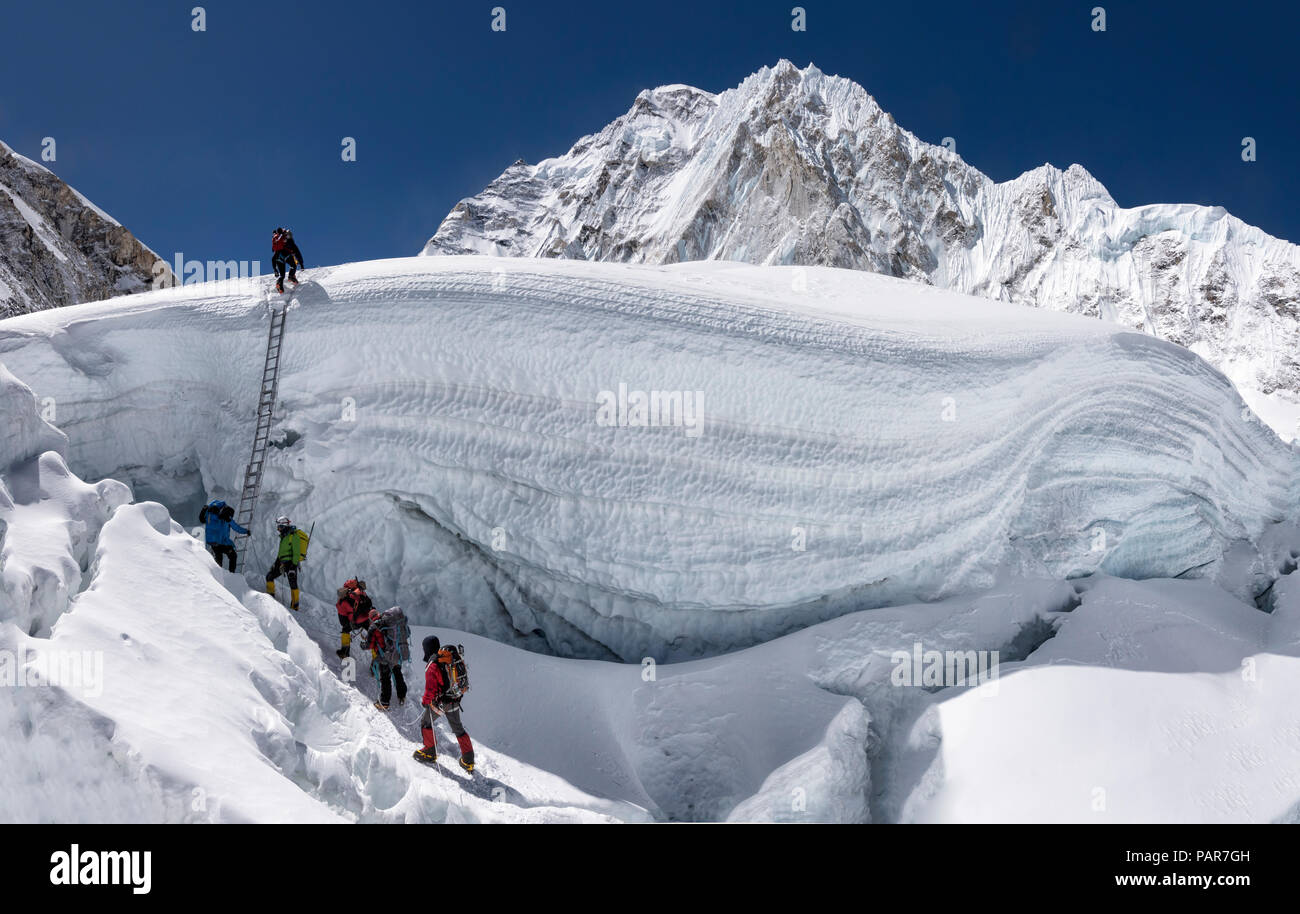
x=279 y=241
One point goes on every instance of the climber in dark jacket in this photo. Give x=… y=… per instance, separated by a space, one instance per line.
x=382 y=666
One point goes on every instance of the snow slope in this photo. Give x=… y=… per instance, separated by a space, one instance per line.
x=1157 y=702
x=864 y=442
x=798 y=167
x=142 y=683
x=712 y=739
x=1114 y=701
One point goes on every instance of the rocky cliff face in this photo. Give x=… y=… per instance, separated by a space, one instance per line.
x=58 y=248
x=796 y=167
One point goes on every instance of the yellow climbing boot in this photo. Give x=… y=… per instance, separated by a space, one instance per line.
x=293 y=598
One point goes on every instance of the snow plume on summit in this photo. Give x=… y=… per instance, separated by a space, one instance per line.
x=863 y=442
x=797 y=167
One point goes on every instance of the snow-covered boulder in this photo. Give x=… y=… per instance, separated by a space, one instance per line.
x=24 y=433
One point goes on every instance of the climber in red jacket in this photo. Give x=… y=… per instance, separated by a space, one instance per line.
x=284 y=255
x=440 y=697
x=354 y=608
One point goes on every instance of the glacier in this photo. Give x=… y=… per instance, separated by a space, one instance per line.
x=1097 y=506
x=864 y=442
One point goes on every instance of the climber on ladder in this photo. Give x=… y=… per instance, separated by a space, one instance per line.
x=284 y=253
x=293 y=550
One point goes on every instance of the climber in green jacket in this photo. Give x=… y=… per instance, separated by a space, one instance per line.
x=293 y=549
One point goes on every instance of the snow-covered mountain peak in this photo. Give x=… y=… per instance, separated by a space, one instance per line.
x=788 y=87
x=674 y=100
x=1084 y=186
x=797 y=167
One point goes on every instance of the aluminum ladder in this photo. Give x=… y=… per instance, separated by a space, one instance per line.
x=262 y=436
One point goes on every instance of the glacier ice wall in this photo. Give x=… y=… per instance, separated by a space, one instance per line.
x=863 y=441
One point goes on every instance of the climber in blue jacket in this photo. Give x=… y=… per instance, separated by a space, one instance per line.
x=219 y=519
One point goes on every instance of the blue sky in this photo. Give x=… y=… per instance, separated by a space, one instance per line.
x=204 y=142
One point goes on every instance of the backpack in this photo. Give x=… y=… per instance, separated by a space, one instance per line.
x=397 y=637
x=361 y=600
x=213 y=507
x=279 y=241
x=451 y=659
x=303 y=541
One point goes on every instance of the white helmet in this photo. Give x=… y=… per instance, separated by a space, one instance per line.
x=283 y=521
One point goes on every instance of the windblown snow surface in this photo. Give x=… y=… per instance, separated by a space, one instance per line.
x=686 y=622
